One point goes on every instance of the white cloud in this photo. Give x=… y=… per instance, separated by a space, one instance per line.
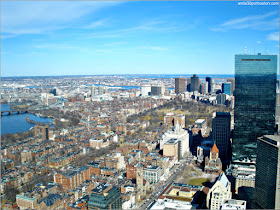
x=35 y=17
x=62 y=46
x=273 y=36
x=266 y=21
x=154 y=26
x=95 y=24
x=7 y=36
x=160 y=26
x=259 y=42
x=147 y=26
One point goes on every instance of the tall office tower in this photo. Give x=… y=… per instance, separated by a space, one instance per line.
x=162 y=89
x=100 y=90
x=206 y=87
x=43 y=130
x=209 y=80
x=157 y=90
x=195 y=83
x=277 y=111
x=145 y=90
x=188 y=80
x=255 y=96
x=202 y=88
x=226 y=88
x=232 y=81
x=93 y=90
x=267 y=184
x=180 y=85
x=221 y=98
x=221 y=135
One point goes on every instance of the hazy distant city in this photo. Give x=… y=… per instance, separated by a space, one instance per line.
x=140 y=105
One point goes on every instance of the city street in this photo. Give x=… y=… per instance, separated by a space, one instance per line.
x=163 y=184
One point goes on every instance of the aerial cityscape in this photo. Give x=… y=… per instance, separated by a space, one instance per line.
x=140 y=105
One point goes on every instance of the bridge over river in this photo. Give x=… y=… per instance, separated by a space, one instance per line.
x=11 y=112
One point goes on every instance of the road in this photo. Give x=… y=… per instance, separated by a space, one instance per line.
x=159 y=187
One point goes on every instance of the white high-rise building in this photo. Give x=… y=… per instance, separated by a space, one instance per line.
x=100 y=90
x=206 y=84
x=221 y=190
x=145 y=90
x=93 y=90
x=157 y=90
x=181 y=135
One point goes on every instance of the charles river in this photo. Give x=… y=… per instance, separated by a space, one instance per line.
x=16 y=123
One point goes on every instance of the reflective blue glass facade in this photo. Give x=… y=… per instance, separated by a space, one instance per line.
x=105 y=196
x=267 y=191
x=255 y=100
x=226 y=88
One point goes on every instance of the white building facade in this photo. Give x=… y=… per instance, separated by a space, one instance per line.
x=221 y=190
x=179 y=134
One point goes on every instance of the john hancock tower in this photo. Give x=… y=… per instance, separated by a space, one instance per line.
x=255 y=101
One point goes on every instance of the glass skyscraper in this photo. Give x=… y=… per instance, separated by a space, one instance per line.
x=195 y=83
x=226 y=88
x=221 y=135
x=105 y=196
x=267 y=186
x=209 y=80
x=255 y=100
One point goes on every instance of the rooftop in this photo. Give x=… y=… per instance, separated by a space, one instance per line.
x=222 y=114
x=170 y=204
x=233 y=204
x=275 y=138
x=149 y=167
x=50 y=199
x=223 y=179
x=200 y=121
x=26 y=196
x=101 y=188
x=255 y=54
x=171 y=141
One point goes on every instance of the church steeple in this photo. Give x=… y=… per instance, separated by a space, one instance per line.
x=177 y=127
x=214 y=152
x=214 y=148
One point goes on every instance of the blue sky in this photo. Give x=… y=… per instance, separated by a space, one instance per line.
x=150 y=37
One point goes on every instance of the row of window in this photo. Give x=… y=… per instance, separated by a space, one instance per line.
x=255 y=59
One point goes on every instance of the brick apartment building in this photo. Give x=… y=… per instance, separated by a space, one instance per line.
x=70 y=179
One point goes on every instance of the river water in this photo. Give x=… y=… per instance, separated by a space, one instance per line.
x=16 y=123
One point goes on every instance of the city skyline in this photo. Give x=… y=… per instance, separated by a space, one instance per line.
x=94 y=38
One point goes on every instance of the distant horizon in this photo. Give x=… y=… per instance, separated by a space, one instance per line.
x=173 y=75
x=81 y=75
